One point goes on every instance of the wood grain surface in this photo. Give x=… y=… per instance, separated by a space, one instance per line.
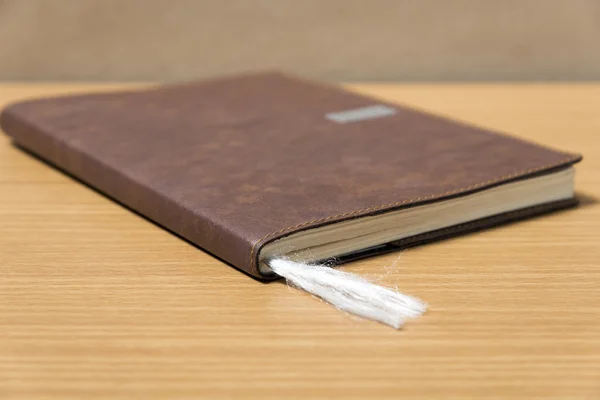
x=97 y=302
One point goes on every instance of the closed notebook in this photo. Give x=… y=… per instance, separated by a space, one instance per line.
x=267 y=166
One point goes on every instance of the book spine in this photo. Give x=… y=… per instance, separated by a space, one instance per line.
x=157 y=206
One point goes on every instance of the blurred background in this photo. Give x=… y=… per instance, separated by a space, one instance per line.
x=337 y=40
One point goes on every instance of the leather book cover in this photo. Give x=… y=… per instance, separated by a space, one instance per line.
x=232 y=164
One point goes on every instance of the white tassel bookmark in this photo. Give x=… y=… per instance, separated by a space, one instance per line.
x=350 y=293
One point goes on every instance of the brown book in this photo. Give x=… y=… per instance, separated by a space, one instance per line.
x=266 y=165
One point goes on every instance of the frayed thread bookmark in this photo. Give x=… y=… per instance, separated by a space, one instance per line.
x=350 y=293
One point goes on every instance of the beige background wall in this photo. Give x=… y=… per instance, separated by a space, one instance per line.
x=331 y=39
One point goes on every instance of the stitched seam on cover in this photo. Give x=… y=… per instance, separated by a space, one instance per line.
x=404 y=202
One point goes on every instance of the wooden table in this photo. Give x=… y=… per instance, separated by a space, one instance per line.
x=96 y=302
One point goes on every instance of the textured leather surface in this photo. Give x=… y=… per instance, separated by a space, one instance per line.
x=234 y=163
